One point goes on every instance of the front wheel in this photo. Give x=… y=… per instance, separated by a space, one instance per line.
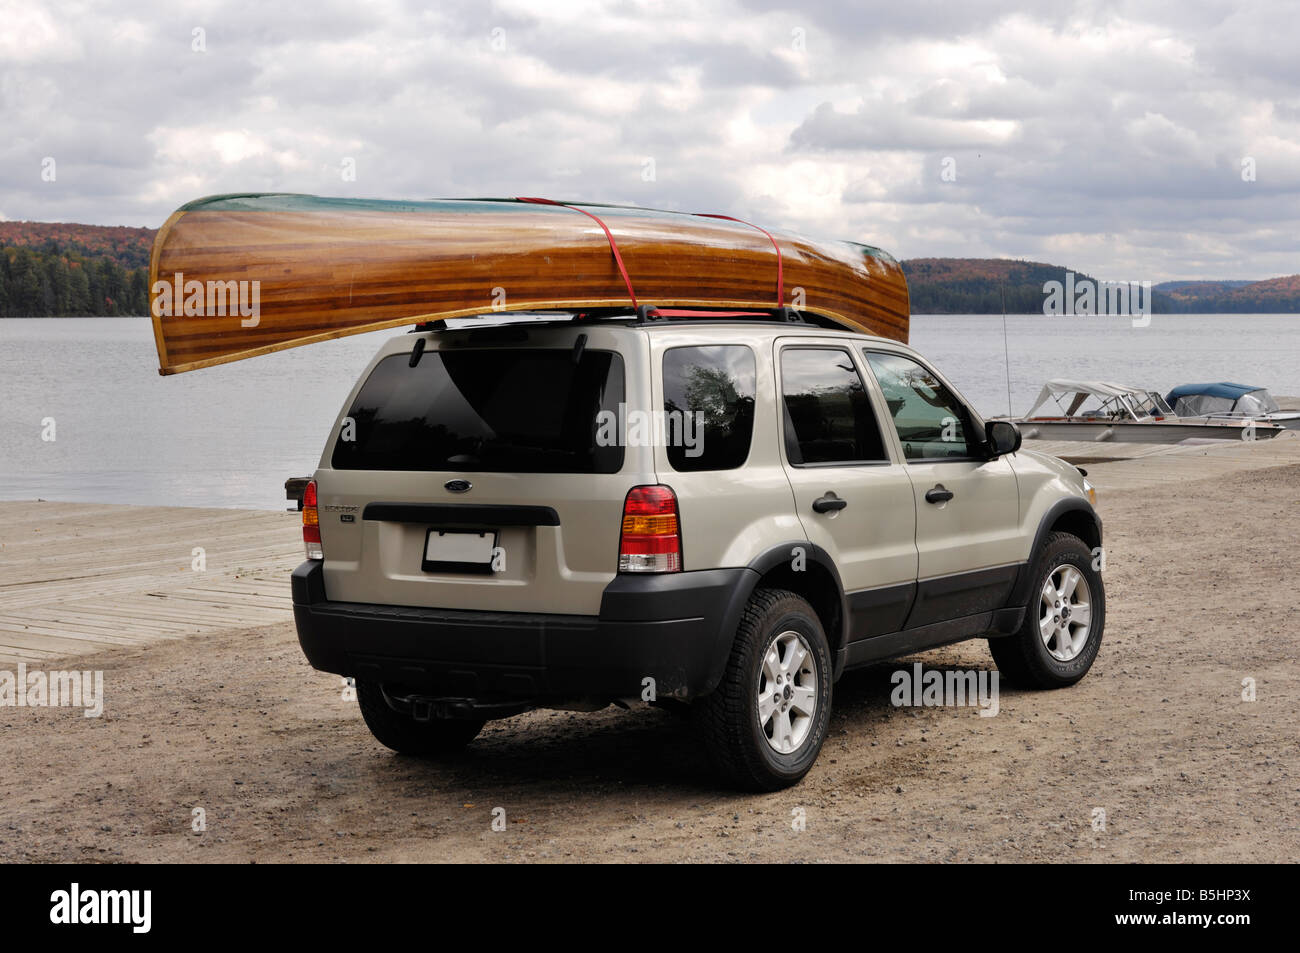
x=765 y=723
x=1061 y=634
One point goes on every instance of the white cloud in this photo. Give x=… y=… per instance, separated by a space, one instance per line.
x=31 y=35
x=1105 y=136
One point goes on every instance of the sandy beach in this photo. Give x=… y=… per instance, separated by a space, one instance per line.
x=209 y=705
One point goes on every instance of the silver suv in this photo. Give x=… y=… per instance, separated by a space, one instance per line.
x=722 y=514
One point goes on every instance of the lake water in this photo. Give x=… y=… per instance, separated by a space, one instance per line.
x=230 y=435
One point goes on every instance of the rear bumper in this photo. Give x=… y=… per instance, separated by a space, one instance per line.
x=674 y=628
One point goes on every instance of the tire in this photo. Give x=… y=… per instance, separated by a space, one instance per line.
x=738 y=742
x=404 y=734
x=1031 y=659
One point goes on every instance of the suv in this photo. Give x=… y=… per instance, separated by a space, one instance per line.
x=707 y=512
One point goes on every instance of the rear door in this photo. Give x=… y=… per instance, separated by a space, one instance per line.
x=731 y=487
x=490 y=475
x=967 y=507
x=854 y=499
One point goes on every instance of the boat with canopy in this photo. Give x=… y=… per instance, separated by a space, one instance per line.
x=1104 y=410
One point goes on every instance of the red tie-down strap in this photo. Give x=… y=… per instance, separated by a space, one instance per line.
x=613 y=245
x=780 y=277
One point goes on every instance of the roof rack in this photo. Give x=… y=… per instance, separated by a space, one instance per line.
x=647 y=312
x=644 y=314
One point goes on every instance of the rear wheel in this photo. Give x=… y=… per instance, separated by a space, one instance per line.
x=1061 y=634
x=765 y=723
x=404 y=733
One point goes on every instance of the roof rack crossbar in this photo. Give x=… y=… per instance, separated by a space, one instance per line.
x=647 y=314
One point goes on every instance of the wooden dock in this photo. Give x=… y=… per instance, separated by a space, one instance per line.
x=77 y=578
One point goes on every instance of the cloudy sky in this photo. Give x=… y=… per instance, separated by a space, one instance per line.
x=1133 y=140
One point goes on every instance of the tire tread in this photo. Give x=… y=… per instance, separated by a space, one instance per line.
x=721 y=717
x=1017 y=656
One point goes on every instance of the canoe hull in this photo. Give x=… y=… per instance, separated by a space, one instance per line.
x=325 y=268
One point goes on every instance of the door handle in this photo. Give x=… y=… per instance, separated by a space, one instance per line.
x=828 y=504
x=938 y=495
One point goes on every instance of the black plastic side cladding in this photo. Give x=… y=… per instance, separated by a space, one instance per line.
x=1020 y=594
x=785 y=555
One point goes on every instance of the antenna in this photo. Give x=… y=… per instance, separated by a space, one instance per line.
x=1006 y=350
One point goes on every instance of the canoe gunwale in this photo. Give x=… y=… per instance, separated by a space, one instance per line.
x=160 y=340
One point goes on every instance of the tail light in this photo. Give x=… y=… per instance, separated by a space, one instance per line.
x=652 y=535
x=311 y=523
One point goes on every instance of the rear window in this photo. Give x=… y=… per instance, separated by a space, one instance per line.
x=708 y=406
x=499 y=410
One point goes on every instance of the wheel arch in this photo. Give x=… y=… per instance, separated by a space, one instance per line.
x=816 y=579
x=1079 y=520
x=1073 y=515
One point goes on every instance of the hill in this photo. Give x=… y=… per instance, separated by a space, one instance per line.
x=53 y=269
x=976 y=285
x=57 y=268
x=1271 y=296
x=128 y=247
x=1195 y=289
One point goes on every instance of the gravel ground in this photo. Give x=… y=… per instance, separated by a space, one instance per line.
x=1201 y=595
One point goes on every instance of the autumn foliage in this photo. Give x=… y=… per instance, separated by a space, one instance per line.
x=56 y=268
x=978 y=286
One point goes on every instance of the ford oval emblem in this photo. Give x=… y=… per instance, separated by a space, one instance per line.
x=458 y=486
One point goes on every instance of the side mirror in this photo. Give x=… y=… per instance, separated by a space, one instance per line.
x=1002 y=437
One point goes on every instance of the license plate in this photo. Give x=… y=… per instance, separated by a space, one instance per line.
x=446 y=551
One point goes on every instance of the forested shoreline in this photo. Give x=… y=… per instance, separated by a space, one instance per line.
x=55 y=282
x=52 y=269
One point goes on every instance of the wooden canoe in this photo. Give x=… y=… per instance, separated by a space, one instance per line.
x=328 y=267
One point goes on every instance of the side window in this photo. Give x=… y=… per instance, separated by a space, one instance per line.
x=931 y=422
x=708 y=406
x=828 y=417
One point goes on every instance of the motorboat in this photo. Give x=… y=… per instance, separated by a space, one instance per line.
x=1104 y=410
x=1225 y=401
